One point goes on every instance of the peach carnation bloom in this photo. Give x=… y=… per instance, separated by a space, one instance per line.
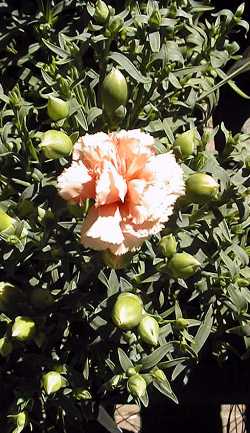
x=133 y=188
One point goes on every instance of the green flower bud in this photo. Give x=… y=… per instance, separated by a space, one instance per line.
x=127 y=311
x=115 y=381
x=239 y=12
x=57 y=108
x=6 y=347
x=155 y=18
x=115 y=25
x=56 y=144
x=116 y=262
x=243 y=282
x=101 y=12
x=41 y=298
x=158 y=375
x=6 y=221
x=137 y=385
x=21 y=419
x=81 y=394
x=181 y=323
x=168 y=245
x=247 y=250
x=114 y=92
x=201 y=187
x=23 y=328
x=10 y=296
x=185 y=143
x=148 y=330
x=183 y=265
x=52 y=382
x=131 y=371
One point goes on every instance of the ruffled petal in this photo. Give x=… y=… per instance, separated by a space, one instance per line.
x=101 y=228
x=110 y=187
x=75 y=184
x=134 y=148
x=94 y=149
x=134 y=236
x=163 y=169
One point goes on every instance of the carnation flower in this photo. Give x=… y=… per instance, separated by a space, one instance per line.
x=134 y=190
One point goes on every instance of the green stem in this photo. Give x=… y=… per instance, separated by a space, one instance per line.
x=139 y=98
x=224 y=81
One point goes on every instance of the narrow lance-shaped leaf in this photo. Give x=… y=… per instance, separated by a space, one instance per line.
x=203 y=331
x=129 y=67
x=124 y=360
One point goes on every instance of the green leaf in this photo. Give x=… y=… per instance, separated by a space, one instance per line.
x=178 y=370
x=144 y=399
x=242 y=331
x=156 y=356
x=113 y=283
x=93 y=113
x=165 y=388
x=57 y=50
x=174 y=81
x=178 y=312
x=238 y=299
x=129 y=67
x=106 y=420
x=155 y=42
x=229 y=263
x=203 y=331
x=168 y=130
x=81 y=119
x=124 y=360
x=233 y=85
x=173 y=362
x=218 y=58
x=173 y=52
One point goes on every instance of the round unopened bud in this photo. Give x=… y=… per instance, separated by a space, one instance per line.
x=243 y=282
x=6 y=346
x=114 y=92
x=10 y=296
x=127 y=311
x=6 y=221
x=22 y=419
x=201 y=187
x=148 y=330
x=155 y=18
x=81 y=394
x=115 y=25
x=131 y=371
x=23 y=328
x=168 y=245
x=137 y=385
x=101 y=12
x=158 y=375
x=116 y=262
x=181 y=323
x=115 y=381
x=52 y=382
x=57 y=108
x=183 y=265
x=41 y=298
x=56 y=144
x=185 y=144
